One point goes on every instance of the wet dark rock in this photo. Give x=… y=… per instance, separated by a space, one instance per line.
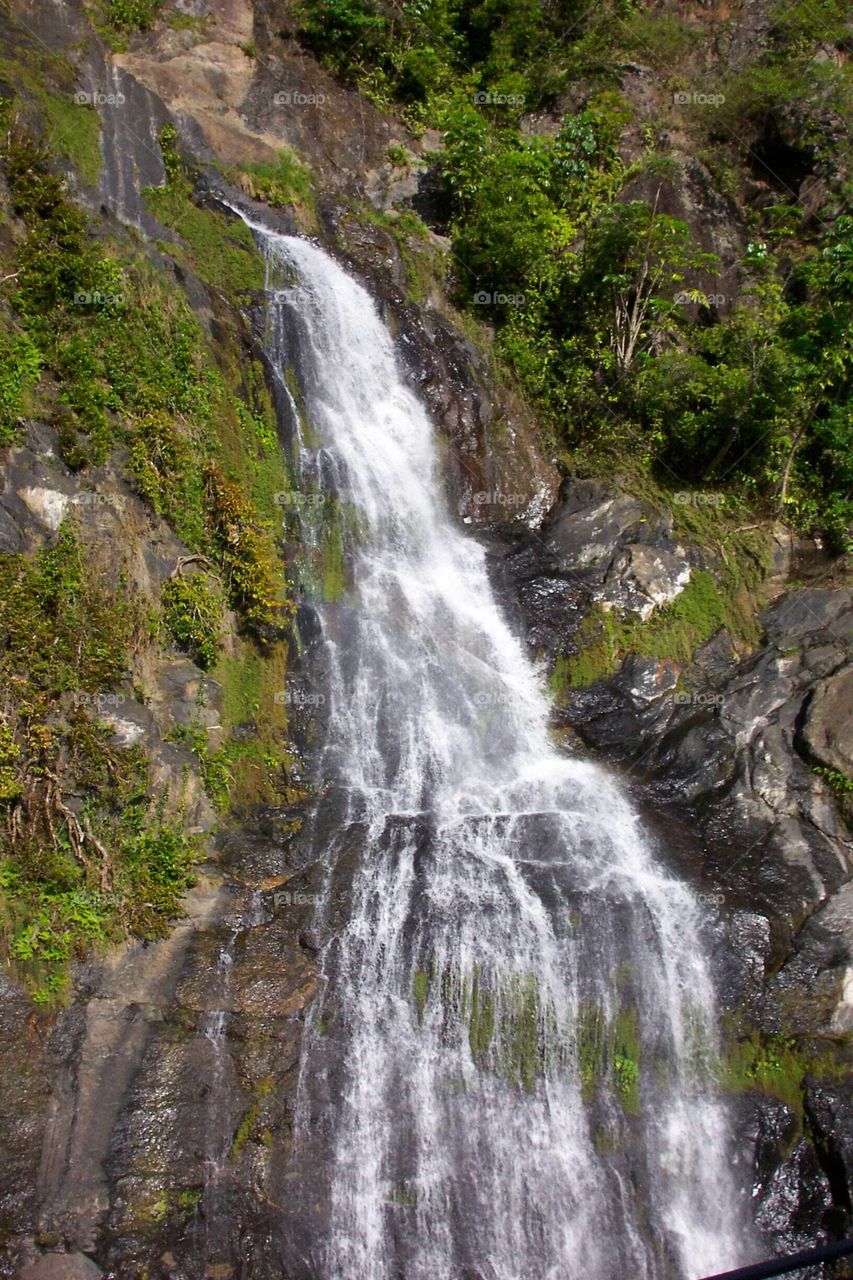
x=812 y=992
x=829 y=1111
x=25 y=1069
x=635 y=705
x=792 y=1204
x=617 y=549
x=827 y=733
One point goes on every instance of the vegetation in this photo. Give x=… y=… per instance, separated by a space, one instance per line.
x=192 y=611
x=20 y=368
x=675 y=630
x=249 y=565
x=779 y=1065
x=249 y=1127
x=85 y=850
x=285 y=182
x=132 y=15
x=613 y=319
x=839 y=782
x=131 y=367
x=112 y=354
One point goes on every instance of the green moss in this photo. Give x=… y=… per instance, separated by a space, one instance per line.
x=74 y=131
x=591 y=1048
x=309 y=435
x=71 y=128
x=599 y=638
x=188 y=1199
x=625 y=1058
x=481 y=1018
x=513 y=1033
x=777 y=1065
x=254 y=717
x=333 y=553
x=769 y=1065
x=526 y=1051
x=404 y=1195
x=672 y=633
x=20 y=369
x=248 y=1125
x=219 y=249
x=158 y=1205
x=421 y=989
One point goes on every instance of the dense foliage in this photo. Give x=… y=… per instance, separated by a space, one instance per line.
x=130 y=367
x=85 y=852
x=99 y=343
x=611 y=315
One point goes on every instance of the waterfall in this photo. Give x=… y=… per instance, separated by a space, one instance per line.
x=511 y=1070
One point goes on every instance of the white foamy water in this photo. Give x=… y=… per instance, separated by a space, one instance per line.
x=520 y=1003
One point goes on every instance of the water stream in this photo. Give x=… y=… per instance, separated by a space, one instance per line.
x=514 y=1049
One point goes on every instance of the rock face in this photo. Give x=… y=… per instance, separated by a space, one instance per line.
x=149 y=1124
x=739 y=761
x=621 y=548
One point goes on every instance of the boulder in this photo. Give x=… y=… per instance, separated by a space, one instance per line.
x=61 y=1266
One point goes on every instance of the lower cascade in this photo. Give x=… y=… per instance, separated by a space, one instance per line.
x=511 y=1071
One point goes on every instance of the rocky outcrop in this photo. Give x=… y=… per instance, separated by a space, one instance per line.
x=622 y=549
x=738 y=761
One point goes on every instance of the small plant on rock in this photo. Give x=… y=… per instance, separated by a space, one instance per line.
x=192 y=611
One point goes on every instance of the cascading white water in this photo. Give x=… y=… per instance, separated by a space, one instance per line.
x=521 y=1010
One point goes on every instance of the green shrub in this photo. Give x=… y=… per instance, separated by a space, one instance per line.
x=133 y=15
x=81 y=874
x=164 y=463
x=840 y=782
x=664 y=37
x=286 y=182
x=253 y=578
x=192 y=611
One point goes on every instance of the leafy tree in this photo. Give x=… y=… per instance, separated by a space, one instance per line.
x=633 y=260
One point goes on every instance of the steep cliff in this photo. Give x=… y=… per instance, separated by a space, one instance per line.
x=161 y=701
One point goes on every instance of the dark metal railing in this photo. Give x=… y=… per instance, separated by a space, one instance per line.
x=794 y=1262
